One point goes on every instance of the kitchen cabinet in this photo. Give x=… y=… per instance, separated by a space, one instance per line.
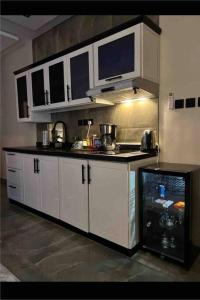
x=108 y=201
x=38 y=86
x=23 y=101
x=80 y=75
x=40 y=181
x=14 y=176
x=74 y=192
x=56 y=83
x=31 y=182
x=130 y=53
x=48 y=85
x=98 y=197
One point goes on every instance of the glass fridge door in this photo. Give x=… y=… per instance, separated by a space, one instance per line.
x=164 y=214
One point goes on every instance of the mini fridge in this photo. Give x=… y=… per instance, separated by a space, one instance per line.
x=170 y=210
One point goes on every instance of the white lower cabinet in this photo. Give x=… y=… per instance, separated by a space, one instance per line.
x=99 y=197
x=40 y=182
x=14 y=176
x=73 y=192
x=49 y=186
x=31 y=182
x=108 y=201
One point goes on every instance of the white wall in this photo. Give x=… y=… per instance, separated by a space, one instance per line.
x=180 y=73
x=14 y=133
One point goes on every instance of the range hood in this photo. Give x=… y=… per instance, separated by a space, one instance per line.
x=125 y=90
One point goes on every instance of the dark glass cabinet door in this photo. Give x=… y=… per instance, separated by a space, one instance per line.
x=38 y=91
x=116 y=57
x=22 y=97
x=79 y=73
x=56 y=82
x=163 y=202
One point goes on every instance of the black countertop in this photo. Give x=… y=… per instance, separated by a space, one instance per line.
x=122 y=156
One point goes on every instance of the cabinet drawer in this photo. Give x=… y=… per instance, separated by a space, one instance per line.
x=14 y=176
x=14 y=192
x=13 y=160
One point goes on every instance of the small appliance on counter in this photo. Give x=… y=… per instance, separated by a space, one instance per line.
x=59 y=135
x=108 y=136
x=148 y=141
x=45 y=138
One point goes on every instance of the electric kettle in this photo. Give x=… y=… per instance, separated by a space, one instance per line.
x=148 y=141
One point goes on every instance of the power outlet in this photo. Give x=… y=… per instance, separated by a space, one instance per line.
x=84 y=122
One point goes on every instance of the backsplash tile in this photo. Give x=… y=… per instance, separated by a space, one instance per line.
x=132 y=119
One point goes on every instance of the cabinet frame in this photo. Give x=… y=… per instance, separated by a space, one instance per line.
x=88 y=49
x=29 y=118
x=38 y=68
x=65 y=79
x=137 y=59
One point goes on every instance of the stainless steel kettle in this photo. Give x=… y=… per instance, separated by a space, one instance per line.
x=148 y=141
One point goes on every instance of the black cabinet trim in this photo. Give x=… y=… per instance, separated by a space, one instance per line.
x=140 y=19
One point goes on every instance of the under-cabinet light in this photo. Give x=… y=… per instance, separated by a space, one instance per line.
x=132 y=100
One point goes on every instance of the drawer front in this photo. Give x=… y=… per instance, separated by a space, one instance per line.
x=14 y=192
x=14 y=176
x=13 y=160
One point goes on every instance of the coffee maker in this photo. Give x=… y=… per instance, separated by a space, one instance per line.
x=108 y=136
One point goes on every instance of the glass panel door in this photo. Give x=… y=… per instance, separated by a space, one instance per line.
x=117 y=57
x=79 y=73
x=38 y=92
x=56 y=83
x=164 y=214
x=22 y=97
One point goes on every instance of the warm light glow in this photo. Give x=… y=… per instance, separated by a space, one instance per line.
x=132 y=100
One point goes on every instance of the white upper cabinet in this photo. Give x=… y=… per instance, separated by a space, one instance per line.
x=49 y=85
x=23 y=100
x=63 y=82
x=38 y=87
x=130 y=53
x=80 y=75
x=56 y=83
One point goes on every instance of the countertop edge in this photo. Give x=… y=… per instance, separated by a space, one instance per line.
x=113 y=158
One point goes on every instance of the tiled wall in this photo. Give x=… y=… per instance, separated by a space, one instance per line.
x=75 y=30
x=131 y=119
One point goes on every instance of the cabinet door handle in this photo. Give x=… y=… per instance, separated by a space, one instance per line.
x=11 y=154
x=112 y=78
x=68 y=96
x=83 y=174
x=37 y=166
x=47 y=97
x=28 y=114
x=13 y=171
x=88 y=174
x=12 y=187
x=34 y=165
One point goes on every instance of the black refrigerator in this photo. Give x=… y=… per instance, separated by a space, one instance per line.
x=170 y=210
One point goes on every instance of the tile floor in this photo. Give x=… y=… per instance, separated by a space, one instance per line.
x=35 y=249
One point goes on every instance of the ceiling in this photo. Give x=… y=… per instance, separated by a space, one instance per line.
x=14 y=29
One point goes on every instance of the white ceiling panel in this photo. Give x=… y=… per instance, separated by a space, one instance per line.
x=32 y=22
